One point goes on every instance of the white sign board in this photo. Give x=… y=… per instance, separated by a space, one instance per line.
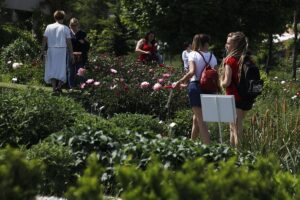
x=218 y=108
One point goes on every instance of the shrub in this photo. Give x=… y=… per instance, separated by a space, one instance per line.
x=89 y=134
x=19 y=178
x=88 y=186
x=9 y=33
x=29 y=74
x=120 y=92
x=59 y=164
x=200 y=180
x=139 y=123
x=20 y=51
x=116 y=146
x=26 y=117
x=183 y=121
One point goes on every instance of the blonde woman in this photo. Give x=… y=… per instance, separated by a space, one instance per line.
x=237 y=47
x=196 y=60
x=80 y=47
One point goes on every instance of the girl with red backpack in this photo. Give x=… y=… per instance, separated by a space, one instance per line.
x=197 y=63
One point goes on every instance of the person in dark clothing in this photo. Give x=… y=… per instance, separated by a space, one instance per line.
x=80 y=47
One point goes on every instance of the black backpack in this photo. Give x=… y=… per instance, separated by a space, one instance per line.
x=250 y=85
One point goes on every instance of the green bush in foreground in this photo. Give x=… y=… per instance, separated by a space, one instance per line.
x=19 y=178
x=88 y=186
x=200 y=180
x=59 y=163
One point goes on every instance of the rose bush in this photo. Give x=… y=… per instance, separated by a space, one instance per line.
x=121 y=84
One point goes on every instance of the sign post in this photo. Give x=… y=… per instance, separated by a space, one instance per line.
x=218 y=108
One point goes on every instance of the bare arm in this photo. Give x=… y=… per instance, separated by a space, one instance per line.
x=187 y=76
x=226 y=79
x=139 y=46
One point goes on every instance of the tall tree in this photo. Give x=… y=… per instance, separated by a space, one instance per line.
x=92 y=12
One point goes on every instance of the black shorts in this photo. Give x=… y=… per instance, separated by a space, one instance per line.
x=244 y=104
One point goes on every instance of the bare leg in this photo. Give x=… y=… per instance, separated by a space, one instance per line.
x=201 y=124
x=195 y=129
x=236 y=129
x=233 y=134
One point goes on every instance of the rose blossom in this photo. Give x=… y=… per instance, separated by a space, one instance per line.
x=161 y=80
x=14 y=79
x=166 y=75
x=144 y=84
x=81 y=72
x=96 y=83
x=157 y=86
x=16 y=65
x=89 y=81
x=113 y=87
x=82 y=85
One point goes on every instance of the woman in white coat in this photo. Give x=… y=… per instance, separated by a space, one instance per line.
x=57 y=39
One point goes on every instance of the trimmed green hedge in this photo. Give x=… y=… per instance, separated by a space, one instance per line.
x=27 y=117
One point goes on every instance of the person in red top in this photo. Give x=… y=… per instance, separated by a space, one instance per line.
x=147 y=49
x=237 y=47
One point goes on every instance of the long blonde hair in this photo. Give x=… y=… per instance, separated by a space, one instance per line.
x=240 y=42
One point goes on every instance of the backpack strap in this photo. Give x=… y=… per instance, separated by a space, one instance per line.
x=206 y=63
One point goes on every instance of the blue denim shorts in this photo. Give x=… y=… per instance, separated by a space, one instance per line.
x=194 y=92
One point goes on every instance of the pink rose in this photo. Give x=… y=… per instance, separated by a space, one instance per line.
x=157 y=86
x=82 y=85
x=167 y=75
x=89 y=81
x=161 y=80
x=96 y=83
x=144 y=84
x=81 y=72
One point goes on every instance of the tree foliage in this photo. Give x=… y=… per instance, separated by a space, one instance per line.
x=177 y=21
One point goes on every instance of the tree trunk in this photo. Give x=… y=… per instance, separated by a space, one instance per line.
x=270 y=53
x=295 y=44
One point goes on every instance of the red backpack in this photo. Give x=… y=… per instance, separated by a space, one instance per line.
x=209 y=79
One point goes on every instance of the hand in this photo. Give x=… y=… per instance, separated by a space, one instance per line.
x=42 y=55
x=176 y=84
x=81 y=41
x=148 y=52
